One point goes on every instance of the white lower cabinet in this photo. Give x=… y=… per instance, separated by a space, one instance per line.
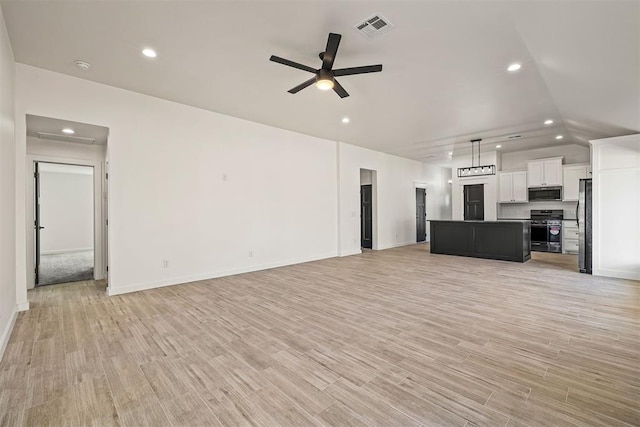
x=570 y=237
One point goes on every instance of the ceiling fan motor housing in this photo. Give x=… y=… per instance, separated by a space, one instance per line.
x=324 y=75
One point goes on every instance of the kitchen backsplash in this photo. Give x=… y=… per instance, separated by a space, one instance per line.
x=523 y=210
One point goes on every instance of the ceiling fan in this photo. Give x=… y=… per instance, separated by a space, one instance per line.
x=325 y=76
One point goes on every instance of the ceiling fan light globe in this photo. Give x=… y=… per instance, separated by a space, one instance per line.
x=324 y=84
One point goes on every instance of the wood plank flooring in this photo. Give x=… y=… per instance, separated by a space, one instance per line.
x=391 y=338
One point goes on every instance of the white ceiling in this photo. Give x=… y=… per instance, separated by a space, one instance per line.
x=444 y=79
x=50 y=128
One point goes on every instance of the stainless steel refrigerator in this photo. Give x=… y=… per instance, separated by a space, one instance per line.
x=584 y=215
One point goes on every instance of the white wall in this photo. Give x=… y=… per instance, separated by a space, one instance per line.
x=8 y=307
x=395 y=198
x=65 y=150
x=66 y=209
x=365 y=177
x=438 y=190
x=572 y=153
x=211 y=194
x=490 y=183
x=616 y=207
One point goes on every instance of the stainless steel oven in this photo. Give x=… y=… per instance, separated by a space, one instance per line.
x=546 y=230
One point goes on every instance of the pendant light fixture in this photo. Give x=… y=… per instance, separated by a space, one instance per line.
x=476 y=170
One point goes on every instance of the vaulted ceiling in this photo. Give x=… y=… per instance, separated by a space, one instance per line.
x=444 y=80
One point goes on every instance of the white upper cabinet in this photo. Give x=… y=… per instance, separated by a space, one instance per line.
x=520 y=190
x=553 y=172
x=535 y=172
x=572 y=175
x=545 y=172
x=513 y=187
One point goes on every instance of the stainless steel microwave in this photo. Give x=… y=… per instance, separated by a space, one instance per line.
x=545 y=194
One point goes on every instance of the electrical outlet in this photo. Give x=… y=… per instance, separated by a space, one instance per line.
x=250 y=253
x=165 y=263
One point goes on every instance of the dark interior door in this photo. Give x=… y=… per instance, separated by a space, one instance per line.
x=366 y=216
x=36 y=224
x=474 y=202
x=421 y=215
x=588 y=218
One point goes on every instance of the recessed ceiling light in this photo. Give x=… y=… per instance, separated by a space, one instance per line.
x=149 y=53
x=450 y=153
x=548 y=122
x=498 y=146
x=559 y=136
x=514 y=67
x=68 y=131
x=345 y=120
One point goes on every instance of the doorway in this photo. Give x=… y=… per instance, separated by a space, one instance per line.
x=474 y=202
x=366 y=216
x=368 y=209
x=421 y=215
x=63 y=223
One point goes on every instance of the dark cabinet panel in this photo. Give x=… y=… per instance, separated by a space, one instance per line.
x=508 y=241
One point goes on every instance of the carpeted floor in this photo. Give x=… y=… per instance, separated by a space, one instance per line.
x=63 y=268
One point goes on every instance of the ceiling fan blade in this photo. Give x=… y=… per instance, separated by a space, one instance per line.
x=291 y=64
x=337 y=87
x=329 y=54
x=301 y=86
x=357 y=70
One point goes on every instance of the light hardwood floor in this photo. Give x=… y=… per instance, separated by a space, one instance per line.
x=391 y=338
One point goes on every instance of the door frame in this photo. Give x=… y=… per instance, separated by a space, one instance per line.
x=471 y=181
x=426 y=233
x=374 y=211
x=363 y=225
x=99 y=236
x=465 y=188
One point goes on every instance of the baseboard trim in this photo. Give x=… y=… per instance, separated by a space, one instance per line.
x=395 y=245
x=111 y=291
x=629 y=275
x=6 y=334
x=356 y=252
x=23 y=306
x=66 y=251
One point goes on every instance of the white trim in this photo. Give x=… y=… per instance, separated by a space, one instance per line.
x=66 y=251
x=6 y=334
x=212 y=275
x=99 y=238
x=356 y=252
x=397 y=245
x=619 y=274
x=23 y=306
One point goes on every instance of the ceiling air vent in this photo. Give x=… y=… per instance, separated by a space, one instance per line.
x=374 y=26
x=66 y=138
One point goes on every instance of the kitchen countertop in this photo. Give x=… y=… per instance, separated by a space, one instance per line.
x=479 y=221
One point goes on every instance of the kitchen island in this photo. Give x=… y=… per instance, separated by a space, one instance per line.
x=502 y=240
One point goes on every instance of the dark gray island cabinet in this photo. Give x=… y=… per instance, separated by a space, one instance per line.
x=502 y=240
